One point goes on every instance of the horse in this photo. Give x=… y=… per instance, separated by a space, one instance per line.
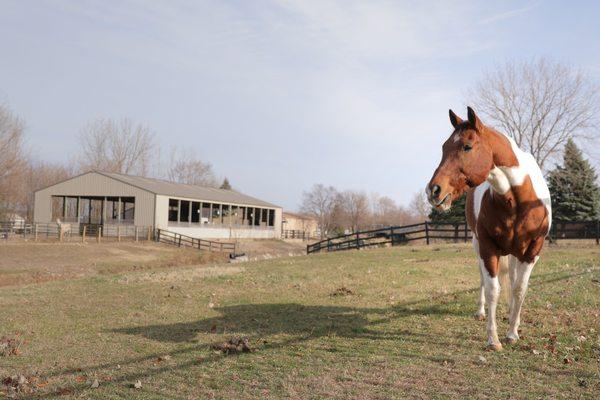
x=507 y=209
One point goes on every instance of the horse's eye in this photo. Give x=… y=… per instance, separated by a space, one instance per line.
x=467 y=147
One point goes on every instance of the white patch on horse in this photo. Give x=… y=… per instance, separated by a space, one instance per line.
x=456 y=137
x=477 y=198
x=499 y=181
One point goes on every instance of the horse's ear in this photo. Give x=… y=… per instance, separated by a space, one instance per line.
x=454 y=119
x=474 y=120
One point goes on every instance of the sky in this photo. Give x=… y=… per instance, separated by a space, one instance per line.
x=277 y=95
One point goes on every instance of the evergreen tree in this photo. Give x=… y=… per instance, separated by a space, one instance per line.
x=225 y=184
x=574 y=187
x=456 y=213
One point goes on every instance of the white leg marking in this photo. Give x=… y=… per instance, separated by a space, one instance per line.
x=492 y=293
x=523 y=272
x=480 y=314
x=512 y=275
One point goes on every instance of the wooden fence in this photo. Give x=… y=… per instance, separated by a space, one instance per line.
x=296 y=234
x=83 y=232
x=447 y=231
x=180 y=240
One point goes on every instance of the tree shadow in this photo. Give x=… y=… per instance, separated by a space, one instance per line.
x=258 y=320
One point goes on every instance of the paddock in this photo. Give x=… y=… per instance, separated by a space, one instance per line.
x=372 y=323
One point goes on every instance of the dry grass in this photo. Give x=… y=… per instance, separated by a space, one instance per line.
x=402 y=328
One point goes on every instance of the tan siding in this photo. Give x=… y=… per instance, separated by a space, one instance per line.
x=162 y=212
x=93 y=184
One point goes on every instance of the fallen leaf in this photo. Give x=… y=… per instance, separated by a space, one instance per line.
x=137 y=384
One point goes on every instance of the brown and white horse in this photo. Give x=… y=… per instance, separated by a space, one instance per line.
x=508 y=210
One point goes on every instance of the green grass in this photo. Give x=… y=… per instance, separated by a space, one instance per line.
x=406 y=331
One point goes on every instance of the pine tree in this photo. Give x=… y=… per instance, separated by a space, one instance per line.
x=225 y=185
x=574 y=187
x=456 y=214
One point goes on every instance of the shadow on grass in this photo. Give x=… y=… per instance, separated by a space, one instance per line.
x=300 y=322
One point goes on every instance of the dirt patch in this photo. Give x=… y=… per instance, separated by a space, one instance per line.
x=233 y=346
x=342 y=291
x=10 y=346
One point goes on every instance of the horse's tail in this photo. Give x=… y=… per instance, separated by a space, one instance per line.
x=504 y=279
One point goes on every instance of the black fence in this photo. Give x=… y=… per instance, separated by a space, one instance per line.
x=180 y=240
x=445 y=231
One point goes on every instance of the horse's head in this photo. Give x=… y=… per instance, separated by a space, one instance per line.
x=466 y=162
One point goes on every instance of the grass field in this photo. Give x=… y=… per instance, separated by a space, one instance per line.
x=373 y=324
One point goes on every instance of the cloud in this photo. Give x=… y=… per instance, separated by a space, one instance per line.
x=510 y=13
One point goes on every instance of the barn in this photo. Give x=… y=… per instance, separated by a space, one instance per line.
x=104 y=198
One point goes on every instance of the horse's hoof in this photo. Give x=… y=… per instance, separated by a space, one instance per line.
x=509 y=340
x=494 y=347
x=479 y=317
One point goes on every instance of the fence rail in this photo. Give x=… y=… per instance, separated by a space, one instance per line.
x=450 y=231
x=37 y=231
x=180 y=240
x=296 y=234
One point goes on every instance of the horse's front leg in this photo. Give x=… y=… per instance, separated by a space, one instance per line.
x=488 y=265
x=480 y=314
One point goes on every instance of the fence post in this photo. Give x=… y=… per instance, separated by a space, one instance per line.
x=82 y=235
x=136 y=233
x=466 y=231
x=392 y=235
x=179 y=243
x=598 y=231
x=328 y=245
x=149 y=233
x=426 y=232
x=158 y=235
x=36 y=232
x=98 y=234
x=456 y=233
x=118 y=233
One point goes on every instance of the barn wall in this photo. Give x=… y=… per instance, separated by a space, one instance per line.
x=94 y=184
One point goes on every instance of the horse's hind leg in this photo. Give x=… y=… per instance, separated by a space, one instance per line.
x=519 y=288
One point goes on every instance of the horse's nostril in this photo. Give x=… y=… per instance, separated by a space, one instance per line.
x=436 y=190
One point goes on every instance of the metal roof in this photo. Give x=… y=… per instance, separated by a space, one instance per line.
x=167 y=188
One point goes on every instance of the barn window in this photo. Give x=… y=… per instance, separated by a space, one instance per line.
x=58 y=207
x=256 y=216
x=71 y=209
x=226 y=213
x=184 y=212
x=112 y=209
x=195 y=212
x=216 y=214
x=264 y=217
x=271 y=217
x=127 y=209
x=205 y=213
x=173 y=210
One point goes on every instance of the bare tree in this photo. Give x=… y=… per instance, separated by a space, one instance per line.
x=540 y=103
x=38 y=175
x=420 y=207
x=12 y=157
x=116 y=146
x=320 y=203
x=355 y=206
x=185 y=167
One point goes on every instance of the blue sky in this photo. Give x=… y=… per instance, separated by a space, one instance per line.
x=277 y=95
